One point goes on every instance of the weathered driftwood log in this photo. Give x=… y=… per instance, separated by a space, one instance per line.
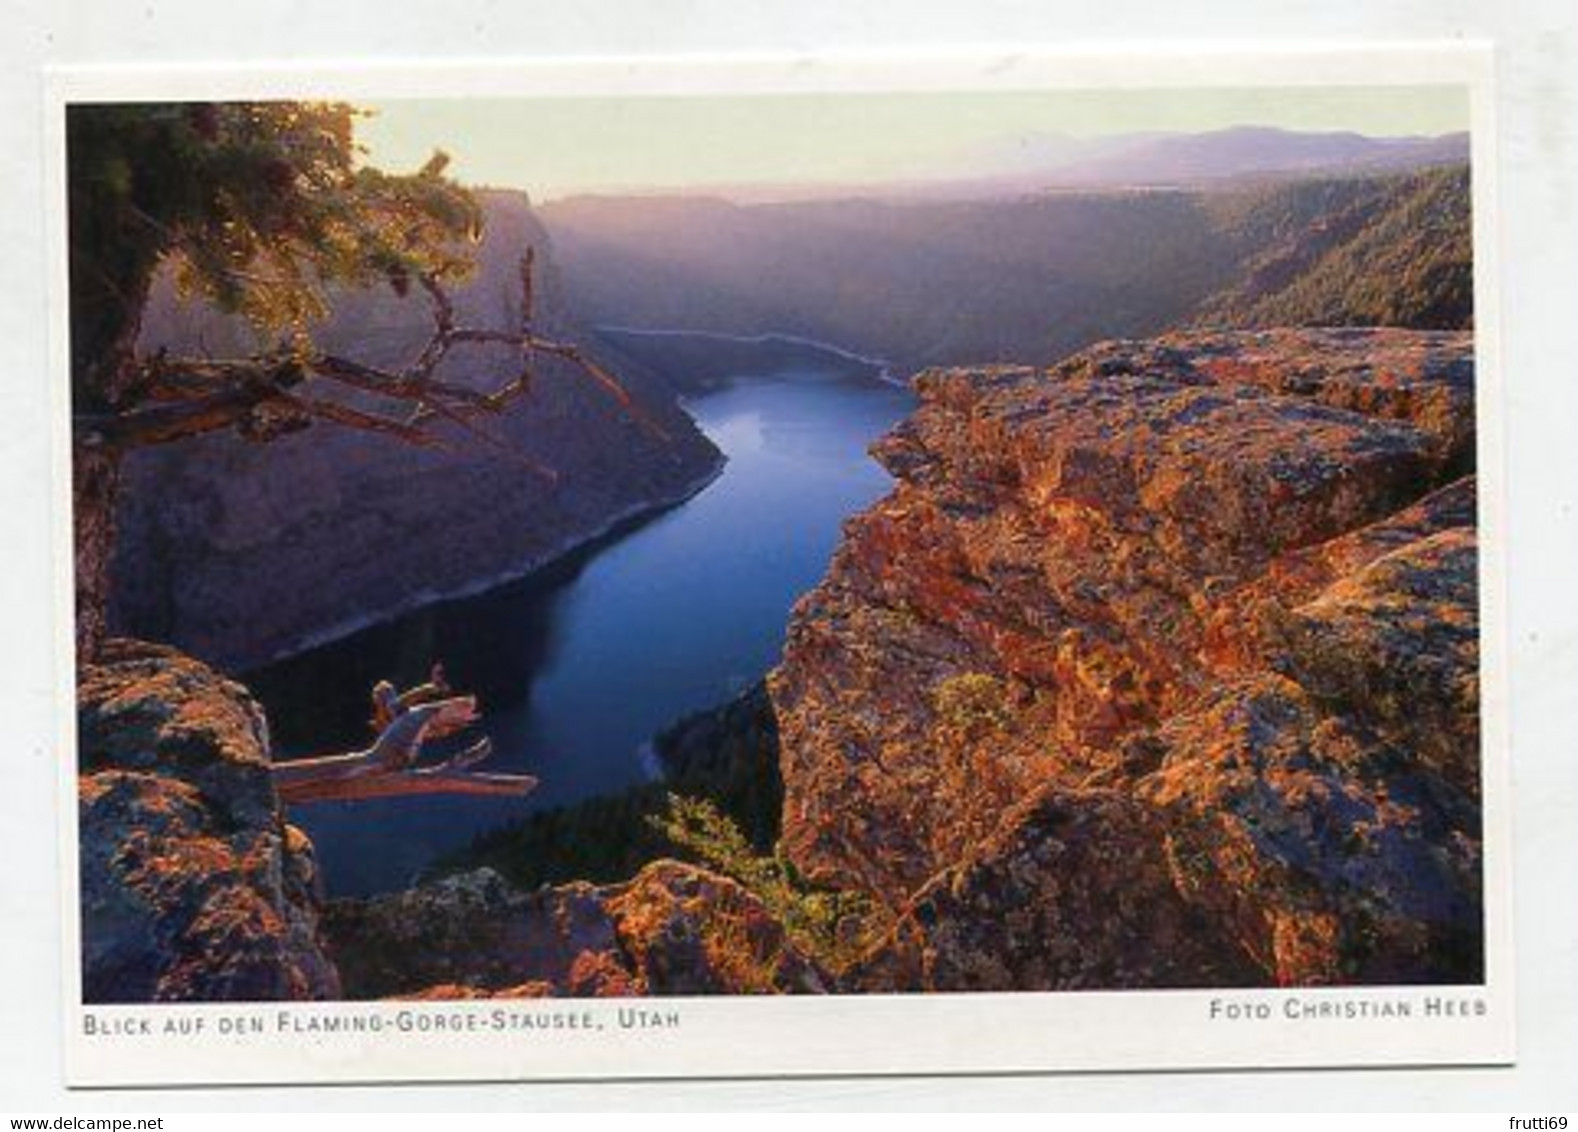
x=389 y=767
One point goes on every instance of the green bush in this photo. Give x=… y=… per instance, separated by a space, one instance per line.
x=972 y=704
x=830 y=926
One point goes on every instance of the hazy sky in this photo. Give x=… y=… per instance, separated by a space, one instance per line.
x=552 y=147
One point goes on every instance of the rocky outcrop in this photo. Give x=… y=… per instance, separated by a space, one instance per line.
x=673 y=929
x=1157 y=668
x=193 y=887
x=238 y=552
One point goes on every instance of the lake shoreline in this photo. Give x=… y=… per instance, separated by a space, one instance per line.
x=882 y=368
x=618 y=522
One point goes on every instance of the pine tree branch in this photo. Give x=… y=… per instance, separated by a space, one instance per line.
x=179 y=397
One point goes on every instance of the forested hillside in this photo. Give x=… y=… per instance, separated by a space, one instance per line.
x=1393 y=252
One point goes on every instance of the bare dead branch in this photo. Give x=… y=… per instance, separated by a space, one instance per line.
x=339 y=414
x=460 y=420
x=528 y=291
x=443 y=326
x=396 y=386
x=186 y=397
x=165 y=422
x=418 y=782
x=611 y=384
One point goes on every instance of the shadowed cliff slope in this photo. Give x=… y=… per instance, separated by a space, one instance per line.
x=239 y=552
x=1026 y=278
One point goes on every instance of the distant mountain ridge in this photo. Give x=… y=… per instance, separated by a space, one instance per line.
x=1053 y=162
x=1192 y=159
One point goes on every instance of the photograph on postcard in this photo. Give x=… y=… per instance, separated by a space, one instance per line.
x=623 y=546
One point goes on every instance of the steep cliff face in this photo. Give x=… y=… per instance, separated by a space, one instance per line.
x=1157 y=668
x=194 y=888
x=238 y=552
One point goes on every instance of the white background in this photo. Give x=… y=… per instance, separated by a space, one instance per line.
x=1538 y=177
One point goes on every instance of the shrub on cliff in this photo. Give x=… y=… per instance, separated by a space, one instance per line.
x=832 y=927
x=971 y=703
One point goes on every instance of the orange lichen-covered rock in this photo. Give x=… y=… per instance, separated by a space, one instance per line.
x=193 y=886
x=1159 y=587
x=1326 y=853
x=1074 y=892
x=472 y=929
x=689 y=931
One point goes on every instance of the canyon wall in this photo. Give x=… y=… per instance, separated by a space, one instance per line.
x=238 y=553
x=1031 y=275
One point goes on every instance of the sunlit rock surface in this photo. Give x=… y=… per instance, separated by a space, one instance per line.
x=1157 y=668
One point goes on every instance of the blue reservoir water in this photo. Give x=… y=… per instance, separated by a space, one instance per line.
x=580 y=664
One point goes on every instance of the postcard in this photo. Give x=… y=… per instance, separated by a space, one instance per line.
x=775 y=566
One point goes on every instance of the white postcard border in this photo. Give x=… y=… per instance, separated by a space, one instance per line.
x=722 y=1037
